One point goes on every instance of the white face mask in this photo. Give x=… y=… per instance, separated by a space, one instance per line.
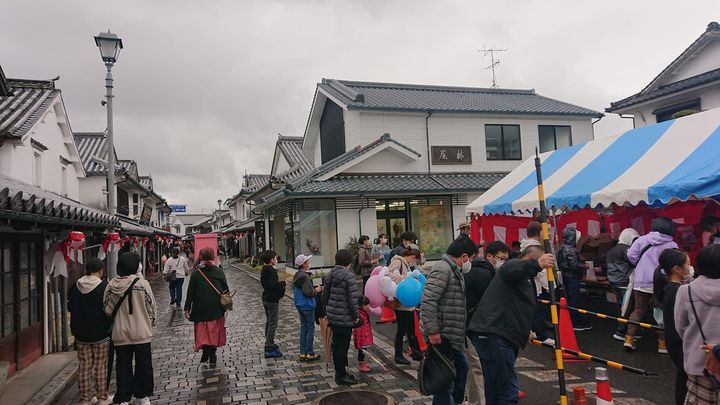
x=466 y=266
x=499 y=263
x=692 y=271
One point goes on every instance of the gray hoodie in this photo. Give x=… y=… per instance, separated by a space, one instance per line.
x=706 y=296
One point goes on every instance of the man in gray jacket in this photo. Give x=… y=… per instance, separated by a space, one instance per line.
x=343 y=313
x=444 y=313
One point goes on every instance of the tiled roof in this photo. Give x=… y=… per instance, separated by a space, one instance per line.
x=652 y=90
x=20 y=111
x=254 y=182
x=424 y=98
x=146 y=181
x=291 y=148
x=27 y=202
x=93 y=145
x=408 y=183
x=4 y=87
x=356 y=152
x=676 y=87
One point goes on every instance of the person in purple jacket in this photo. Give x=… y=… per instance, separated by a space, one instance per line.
x=644 y=254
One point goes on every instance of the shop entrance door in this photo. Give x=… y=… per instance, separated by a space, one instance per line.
x=21 y=300
x=392 y=219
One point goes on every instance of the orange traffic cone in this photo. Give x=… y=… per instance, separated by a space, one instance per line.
x=567 y=333
x=388 y=315
x=604 y=395
x=419 y=335
x=579 y=396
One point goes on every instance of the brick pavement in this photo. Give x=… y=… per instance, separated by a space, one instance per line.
x=242 y=374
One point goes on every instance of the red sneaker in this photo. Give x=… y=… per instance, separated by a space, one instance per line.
x=521 y=394
x=363 y=367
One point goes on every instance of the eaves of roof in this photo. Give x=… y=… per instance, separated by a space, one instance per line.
x=26 y=104
x=690 y=83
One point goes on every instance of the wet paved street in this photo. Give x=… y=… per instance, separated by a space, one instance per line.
x=242 y=374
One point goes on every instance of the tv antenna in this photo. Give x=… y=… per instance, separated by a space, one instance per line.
x=485 y=50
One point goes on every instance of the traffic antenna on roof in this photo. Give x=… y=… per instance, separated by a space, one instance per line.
x=485 y=50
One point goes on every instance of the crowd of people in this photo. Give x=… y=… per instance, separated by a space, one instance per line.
x=482 y=296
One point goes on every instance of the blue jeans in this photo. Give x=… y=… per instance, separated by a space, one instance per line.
x=455 y=392
x=307 y=331
x=573 y=296
x=176 y=290
x=497 y=358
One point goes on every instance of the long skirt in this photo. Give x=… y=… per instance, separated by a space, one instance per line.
x=210 y=333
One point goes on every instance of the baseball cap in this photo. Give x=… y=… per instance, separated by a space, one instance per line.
x=301 y=259
x=464 y=225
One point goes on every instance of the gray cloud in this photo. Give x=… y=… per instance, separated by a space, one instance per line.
x=204 y=87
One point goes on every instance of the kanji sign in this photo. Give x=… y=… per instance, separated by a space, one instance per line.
x=451 y=155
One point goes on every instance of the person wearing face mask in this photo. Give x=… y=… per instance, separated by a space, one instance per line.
x=407 y=238
x=482 y=272
x=674 y=271
x=398 y=270
x=382 y=250
x=501 y=325
x=444 y=313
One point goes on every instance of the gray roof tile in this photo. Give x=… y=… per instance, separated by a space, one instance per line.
x=93 y=145
x=291 y=148
x=20 y=111
x=42 y=205
x=412 y=97
x=254 y=182
x=676 y=87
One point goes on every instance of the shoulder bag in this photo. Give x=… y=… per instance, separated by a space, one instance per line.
x=172 y=275
x=436 y=371
x=711 y=363
x=120 y=301
x=226 y=297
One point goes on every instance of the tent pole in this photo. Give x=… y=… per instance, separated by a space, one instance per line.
x=551 y=281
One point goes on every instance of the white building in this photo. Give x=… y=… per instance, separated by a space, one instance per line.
x=385 y=158
x=690 y=83
x=186 y=224
x=135 y=194
x=40 y=173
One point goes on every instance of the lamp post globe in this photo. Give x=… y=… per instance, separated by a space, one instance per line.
x=109 y=45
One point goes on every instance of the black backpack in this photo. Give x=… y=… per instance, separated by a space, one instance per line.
x=356 y=264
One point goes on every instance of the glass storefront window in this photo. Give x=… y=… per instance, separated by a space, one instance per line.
x=282 y=239
x=315 y=234
x=433 y=226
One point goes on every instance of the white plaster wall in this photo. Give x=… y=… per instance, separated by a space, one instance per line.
x=449 y=130
x=347 y=226
x=368 y=217
x=16 y=158
x=707 y=60
x=91 y=192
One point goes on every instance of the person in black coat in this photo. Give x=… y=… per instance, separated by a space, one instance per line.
x=273 y=290
x=91 y=328
x=482 y=272
x=340 y=295
x=501 y=325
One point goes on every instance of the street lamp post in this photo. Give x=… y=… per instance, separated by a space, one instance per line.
x=109 y=45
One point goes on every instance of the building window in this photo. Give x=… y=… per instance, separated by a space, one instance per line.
x=314 y=233
x=64 y=181
x=502 y=142
x=554 y=137
x=668 y=112
x=37 y=168
x=429 y=218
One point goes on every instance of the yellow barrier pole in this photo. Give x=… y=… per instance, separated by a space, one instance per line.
x=551 y=282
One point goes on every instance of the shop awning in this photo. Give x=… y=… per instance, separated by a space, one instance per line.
x=675 y=160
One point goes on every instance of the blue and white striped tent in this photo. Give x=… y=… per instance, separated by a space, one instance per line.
x=671 y=161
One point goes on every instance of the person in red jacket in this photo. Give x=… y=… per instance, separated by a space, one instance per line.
x=363 y=335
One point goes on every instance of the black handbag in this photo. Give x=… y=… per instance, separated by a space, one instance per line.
x=437 y=370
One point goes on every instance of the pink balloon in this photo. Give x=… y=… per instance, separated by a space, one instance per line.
x=376 y=311
x=376 y=270
x=373 y=292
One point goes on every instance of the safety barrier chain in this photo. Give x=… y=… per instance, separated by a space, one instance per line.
x=600 y=360
x=605 y=316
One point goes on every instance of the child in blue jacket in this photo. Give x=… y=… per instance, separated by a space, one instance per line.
x=304 y=294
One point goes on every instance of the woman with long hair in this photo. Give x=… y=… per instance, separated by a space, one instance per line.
x=202 y=306
x=398 y=270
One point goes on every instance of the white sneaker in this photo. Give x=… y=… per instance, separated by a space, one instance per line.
x=549 y=341
x=142 y=401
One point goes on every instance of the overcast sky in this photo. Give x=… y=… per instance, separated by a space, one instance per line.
x=203 y=87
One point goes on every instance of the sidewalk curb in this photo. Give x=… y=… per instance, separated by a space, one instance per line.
x=386 y=356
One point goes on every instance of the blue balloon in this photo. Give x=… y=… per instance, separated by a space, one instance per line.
x=409 y=292
x=419 y=276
